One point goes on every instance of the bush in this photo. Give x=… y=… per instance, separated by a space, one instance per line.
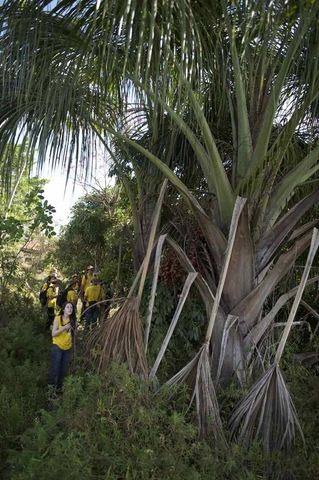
x=111 y=426
x=23 y=374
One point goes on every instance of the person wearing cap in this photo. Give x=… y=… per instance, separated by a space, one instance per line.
x=47 y=279
x=93 y=294
x=52 y=293
x=85 y=283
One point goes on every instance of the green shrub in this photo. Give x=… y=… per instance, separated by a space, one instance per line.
x=112 y=427
x=23 y=374
x=109 y=427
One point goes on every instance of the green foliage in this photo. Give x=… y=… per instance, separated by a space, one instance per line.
x=93 y=236
x=111 y=426
x=108 y=427
x=24 y=363
x=189 y=331
x=24 y=214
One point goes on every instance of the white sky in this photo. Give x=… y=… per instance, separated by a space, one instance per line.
x=54 y=193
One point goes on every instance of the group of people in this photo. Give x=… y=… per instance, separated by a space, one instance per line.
x=89 y=291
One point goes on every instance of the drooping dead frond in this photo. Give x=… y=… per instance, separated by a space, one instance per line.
x=154 y=285
x=267 y=413
x=120 y=339
x=197 y=375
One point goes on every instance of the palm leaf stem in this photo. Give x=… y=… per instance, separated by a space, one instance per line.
x=238 y=208
x=153 y=290
x=311 y=255
x=256 y=334
x=182 y=299
x=150 y=245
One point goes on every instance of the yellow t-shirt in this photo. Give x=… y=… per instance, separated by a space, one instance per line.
x=51 y=302
x=71 y=296
x=94 y=293
x=86 y=281
x=64 y=340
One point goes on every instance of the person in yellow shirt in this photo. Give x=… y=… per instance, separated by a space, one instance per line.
x=52 y=293
x=62 y=345
x=76 y=279
x=85 y=283
x=71 y=295
x=93 y=294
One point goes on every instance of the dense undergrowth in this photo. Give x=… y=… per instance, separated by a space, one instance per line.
x=112 y=427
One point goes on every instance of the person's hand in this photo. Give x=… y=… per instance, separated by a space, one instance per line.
x=67 y=326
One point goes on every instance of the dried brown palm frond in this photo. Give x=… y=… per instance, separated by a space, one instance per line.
x=120 y=338
x=267 y=411
x=197 y=373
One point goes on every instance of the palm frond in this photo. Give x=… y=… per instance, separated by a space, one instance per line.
x=256 y=334
x=120 y=339
x=154 y=286
x=197 y=375
x=267 y=411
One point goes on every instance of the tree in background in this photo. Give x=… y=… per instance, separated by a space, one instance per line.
x=96 y=235
x=25 y=218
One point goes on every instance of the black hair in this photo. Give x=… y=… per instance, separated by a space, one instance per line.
x=72 y=316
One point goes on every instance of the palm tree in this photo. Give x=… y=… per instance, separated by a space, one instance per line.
x=238 y=83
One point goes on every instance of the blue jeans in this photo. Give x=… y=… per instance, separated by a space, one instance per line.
x=91 y=316
x=59 y=365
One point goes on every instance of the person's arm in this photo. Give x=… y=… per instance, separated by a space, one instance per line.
x=56 y=330
x=83 y=281
x=86 y=295
x=51 y=293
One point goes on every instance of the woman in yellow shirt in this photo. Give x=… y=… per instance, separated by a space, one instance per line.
x=62 y=345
